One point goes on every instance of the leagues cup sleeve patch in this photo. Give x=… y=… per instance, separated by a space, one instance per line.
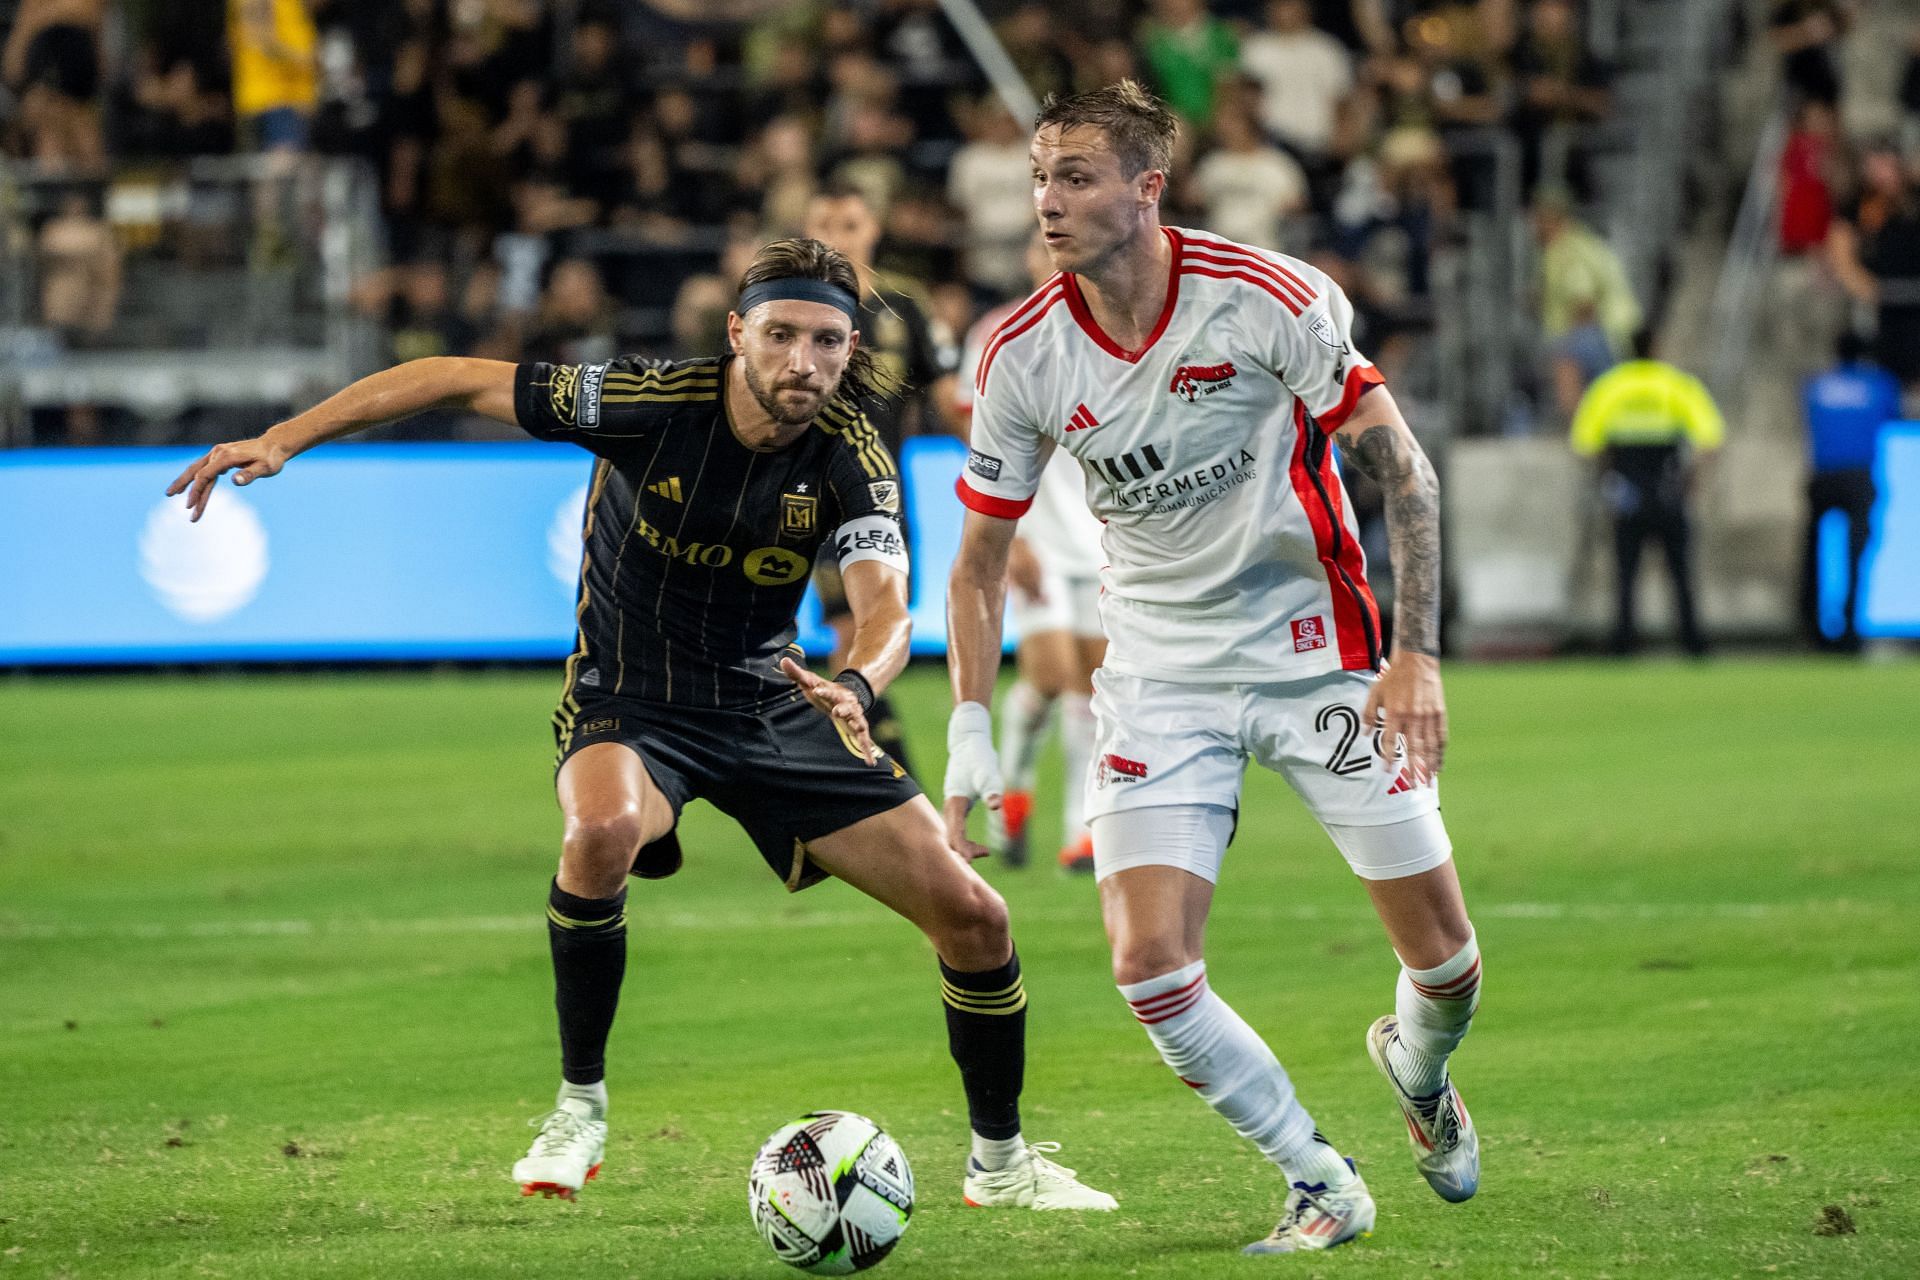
x=984 y=465
x=592 y=378
x=871 y=537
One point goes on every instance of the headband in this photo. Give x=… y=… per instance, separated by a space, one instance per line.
x=799 y=290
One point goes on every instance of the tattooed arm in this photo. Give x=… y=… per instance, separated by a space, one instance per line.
x=1407 y=700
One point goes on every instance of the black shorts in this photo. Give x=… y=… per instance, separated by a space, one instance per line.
x=785 y=773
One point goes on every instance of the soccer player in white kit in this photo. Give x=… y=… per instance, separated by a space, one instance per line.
x=1053 y=575
x=1198 y=384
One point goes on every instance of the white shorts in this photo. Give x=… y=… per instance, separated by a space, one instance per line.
x=1158 y=744
x=1071 y=604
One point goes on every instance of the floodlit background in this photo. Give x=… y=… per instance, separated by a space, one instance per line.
x=275 y=818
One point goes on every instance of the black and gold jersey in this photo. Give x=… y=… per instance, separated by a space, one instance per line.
x=697 y=548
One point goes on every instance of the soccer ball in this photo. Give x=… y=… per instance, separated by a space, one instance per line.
x=830 y=1193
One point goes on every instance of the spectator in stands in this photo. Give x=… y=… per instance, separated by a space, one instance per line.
x=1648 y=424
x=779 y=165
x=170 y=110
x=1033 y=45
x=1304 y=75
x=1874 y=248
x=1808 y=163
x=1561 y=87
x=1846 y=406
x=1248 y=188
x=414 y=304
x=53 y=63
x=1801 y=321
x=595 y=106
x=1807 y=35
x=1107 y=62
x=1188 y=52
x=79 y=268
x=1582 y=281
x=989 y=183
x=276 y=74
x=1461 y=99
x=575 y=323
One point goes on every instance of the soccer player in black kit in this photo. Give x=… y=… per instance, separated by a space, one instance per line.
x=718 y=483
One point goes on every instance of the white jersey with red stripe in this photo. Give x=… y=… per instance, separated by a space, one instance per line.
x=1064 y=534
x=1231 y=550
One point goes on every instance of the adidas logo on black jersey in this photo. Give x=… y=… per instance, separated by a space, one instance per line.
x=668 y=489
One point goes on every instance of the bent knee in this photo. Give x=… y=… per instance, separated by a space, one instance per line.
x=1142 y=959
x=602 y=838
x=973 y=929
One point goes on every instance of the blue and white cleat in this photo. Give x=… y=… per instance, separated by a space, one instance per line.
x=1319 y=1218
x=1446 y=1148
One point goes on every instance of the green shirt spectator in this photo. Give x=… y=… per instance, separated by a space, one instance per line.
x=1188 y=52
x=1581 y=278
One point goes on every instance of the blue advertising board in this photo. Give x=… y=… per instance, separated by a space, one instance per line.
x=357 y=552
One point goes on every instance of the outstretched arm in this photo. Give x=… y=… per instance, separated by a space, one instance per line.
x=1407 y=699
x=440 y=382
x=976 y=596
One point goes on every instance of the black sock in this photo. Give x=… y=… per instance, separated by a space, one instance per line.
x=987 y=1033
x=884 y=725
x=588 y=937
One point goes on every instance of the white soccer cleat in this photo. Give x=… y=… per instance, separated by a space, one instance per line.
x=566 y=1155
x=1446 y=1147
x=1034 y=1182
x=1319 y=1218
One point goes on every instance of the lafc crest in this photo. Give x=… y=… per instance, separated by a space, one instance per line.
x=799 y=515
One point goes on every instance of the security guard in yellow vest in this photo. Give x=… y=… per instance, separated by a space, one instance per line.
x=1647 y=422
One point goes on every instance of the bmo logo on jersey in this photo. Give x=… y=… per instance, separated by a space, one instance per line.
x=1191 y=381
x=1309 y=633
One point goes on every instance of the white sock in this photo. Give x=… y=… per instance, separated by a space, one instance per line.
x=1076 y=741
x=592 y=1096
x=1435 y=1007
x=1023 y=729
x=1217 y=1055
x=995 y=1154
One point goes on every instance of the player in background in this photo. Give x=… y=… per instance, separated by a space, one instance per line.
x=910 y=352
x=1202 y=382
x=718 y=482
x=1053 y=576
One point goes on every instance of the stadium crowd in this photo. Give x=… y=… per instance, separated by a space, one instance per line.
x=563 y=180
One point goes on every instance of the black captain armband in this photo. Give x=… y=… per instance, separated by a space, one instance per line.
x=862 y=691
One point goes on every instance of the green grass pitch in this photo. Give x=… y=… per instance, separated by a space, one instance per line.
x=274 y=998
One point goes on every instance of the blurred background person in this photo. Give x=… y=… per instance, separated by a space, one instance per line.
x=52 y=62
x=1053 y=601
x=1846 y=406
x=1588 y=312
x=909 y=354
x=1648 y=424
x=1874 y=248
